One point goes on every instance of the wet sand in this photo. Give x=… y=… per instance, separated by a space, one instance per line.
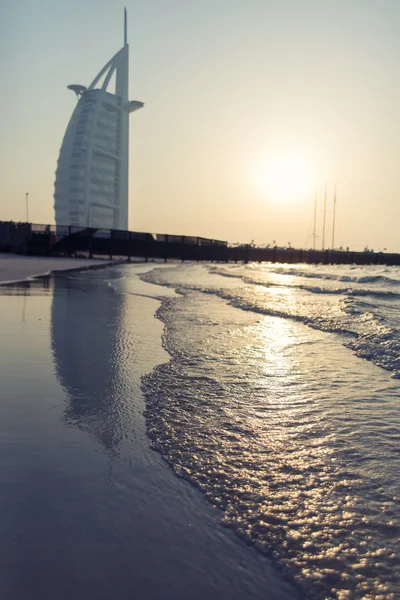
x=14 y=267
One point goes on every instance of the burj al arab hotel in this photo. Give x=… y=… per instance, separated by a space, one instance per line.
x=91 y=186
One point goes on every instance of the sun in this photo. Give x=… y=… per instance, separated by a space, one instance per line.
x=287 y=177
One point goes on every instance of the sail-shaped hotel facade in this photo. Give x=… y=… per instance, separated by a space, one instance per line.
x=91 y=186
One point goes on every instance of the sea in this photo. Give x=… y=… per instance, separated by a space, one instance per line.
x=281 y=403
x=234 y=426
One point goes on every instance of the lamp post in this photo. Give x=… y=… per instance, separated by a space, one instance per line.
x=26 y=202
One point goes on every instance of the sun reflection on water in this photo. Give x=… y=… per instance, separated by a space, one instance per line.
x=239 y=412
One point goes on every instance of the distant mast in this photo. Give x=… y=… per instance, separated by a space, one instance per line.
x=333 y=222
x=323 y=225
x=315 y=219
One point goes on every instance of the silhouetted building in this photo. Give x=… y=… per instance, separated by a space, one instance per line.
x=91 y=187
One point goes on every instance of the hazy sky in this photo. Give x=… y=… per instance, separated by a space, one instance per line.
x=249 y=104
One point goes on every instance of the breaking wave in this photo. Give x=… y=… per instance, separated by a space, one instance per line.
x=365 y=328
x=298 y=458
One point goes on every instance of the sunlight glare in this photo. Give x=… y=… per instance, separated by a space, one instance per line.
x=287 y=177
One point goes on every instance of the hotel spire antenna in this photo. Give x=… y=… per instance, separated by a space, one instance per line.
x=125 y=28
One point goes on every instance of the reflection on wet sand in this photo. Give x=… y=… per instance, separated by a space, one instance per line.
x=85 y=339
x=28 y=286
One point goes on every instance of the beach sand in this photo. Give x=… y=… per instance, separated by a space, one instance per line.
x=88 y=509
x=15 y=267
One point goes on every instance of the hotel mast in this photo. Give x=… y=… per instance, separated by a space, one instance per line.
x=91 y=187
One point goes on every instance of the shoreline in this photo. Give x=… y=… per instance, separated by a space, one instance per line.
x=16 y=268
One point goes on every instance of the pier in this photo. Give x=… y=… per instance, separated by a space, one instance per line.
x=52 y=240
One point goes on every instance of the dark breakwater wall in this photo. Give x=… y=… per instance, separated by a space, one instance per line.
x=51 y=240
x=293 y=255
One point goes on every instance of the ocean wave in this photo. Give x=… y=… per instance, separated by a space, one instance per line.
x=381 y=348
x=378 y=279
x=261 y=451
x=336 y=276
x=370 y=339
x=348 y=291
x=364 y=329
